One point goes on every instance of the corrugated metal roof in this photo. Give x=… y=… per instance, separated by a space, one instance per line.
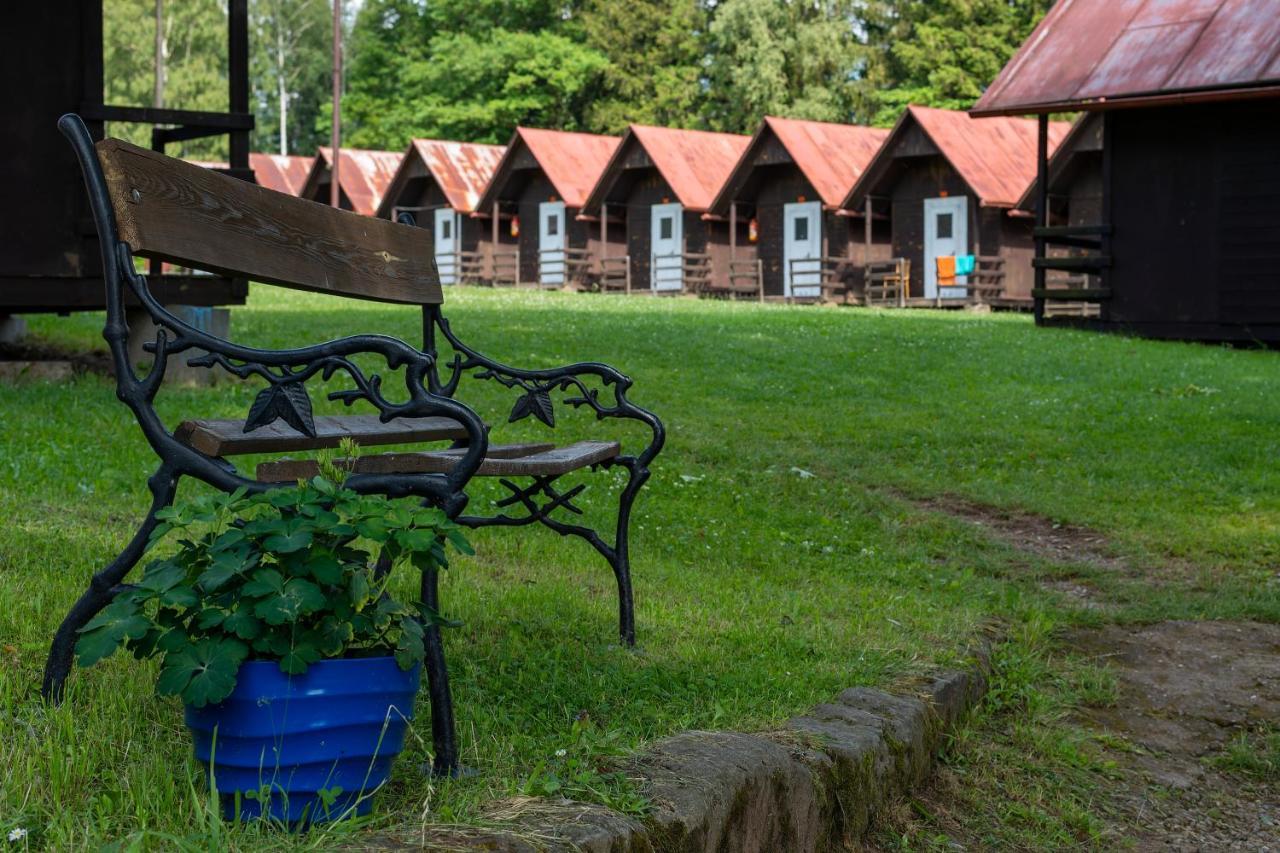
x=694 y=163
x=285 y=173
x=830 y=156
x=996 y=157
x=1090 y=53
x=363 y=174
x=461 y=169
x=573 y=162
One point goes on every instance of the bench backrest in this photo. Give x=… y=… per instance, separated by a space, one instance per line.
x=189 y=215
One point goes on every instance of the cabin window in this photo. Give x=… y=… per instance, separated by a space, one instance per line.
x=664 y=228
x=446 y=230
x=943 y=231
x=553 y=225
x=802 y=229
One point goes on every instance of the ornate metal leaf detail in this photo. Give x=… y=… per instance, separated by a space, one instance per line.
x=537 y=403
x=288 y=402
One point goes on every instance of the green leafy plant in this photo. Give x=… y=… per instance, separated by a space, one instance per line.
x=289 y=575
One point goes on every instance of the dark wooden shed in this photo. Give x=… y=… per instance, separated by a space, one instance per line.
x=363 y=178
x=536 y=194
x=1185 y=242
x=949 y=185
x=788 y=185
x=52 y=57
x=440 y=183
x=659 y=184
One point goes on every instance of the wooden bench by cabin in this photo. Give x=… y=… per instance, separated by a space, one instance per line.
x=148 y=205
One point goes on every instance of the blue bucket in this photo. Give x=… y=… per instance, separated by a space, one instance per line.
x=340 y=725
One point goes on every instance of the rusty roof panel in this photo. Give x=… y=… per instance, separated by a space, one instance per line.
x=996 y=157
x=461 y=169
x=281 y=172
x=831 y=156
x=1089 y=52
x=364 y=175
x=573 y=162
x=694 y=163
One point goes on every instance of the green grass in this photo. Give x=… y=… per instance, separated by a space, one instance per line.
x=760 y=590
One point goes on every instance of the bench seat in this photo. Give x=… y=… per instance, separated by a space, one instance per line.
x=228 y=438
x=501 y=460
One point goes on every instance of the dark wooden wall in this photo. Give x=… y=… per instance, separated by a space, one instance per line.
x=1195 y=198
x=537 y=190
x=421 y=190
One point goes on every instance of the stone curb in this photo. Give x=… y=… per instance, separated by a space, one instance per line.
x=813 y=785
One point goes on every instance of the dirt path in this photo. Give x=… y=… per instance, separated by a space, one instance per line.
x=1187 y=690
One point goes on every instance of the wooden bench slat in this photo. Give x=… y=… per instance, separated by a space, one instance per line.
x=228 y=438
x=503 y=460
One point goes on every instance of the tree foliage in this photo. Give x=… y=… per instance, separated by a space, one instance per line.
x=290 y=68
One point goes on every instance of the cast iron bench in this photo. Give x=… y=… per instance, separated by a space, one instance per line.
x=151 y=206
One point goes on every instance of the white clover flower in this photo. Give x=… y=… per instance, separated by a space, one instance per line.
x=17 y=834
x=561 y=753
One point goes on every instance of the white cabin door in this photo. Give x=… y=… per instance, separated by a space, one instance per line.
x=666 y=254
x=946 y=232
x=551 y=242
x=802 y=249
x=448 y=243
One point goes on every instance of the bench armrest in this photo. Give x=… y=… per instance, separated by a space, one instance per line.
x=536 y=387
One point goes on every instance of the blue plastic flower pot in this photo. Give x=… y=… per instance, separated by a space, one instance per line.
x=337 y=728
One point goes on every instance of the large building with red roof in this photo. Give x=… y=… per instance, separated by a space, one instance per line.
x=536 y=194
x=657 y=187
x=788 y=186
x=1184 y=238
x=948 y=186
x=440 y=183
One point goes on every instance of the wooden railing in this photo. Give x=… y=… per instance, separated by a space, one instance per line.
x=681 y=272
x=986 y=282
x=827 y=274
x=460 y=268
x=746 y=278
x=615 y=274
x=1095 y=240
x=505 y=268
x=887 y=282
x=1075 y=284
x=569 y=266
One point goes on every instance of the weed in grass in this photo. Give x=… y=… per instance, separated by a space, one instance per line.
x=1254 y=754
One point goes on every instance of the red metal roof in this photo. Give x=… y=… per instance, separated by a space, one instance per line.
x=363 y=174
x=1089 y=53
x=830 y=156
x=573 y=162
x=694 y=163
x=461 y=169
x=996 y=157
x=281 y=172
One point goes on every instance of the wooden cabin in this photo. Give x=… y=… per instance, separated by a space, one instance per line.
x=52 y=57
x=440 y=184
x=949 y=186
x=1185 y=241
x=363 y=178
x=659 y=185
x=788 y=186
x=536 y=194
x=284 y=173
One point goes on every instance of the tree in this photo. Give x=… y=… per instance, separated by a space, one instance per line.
x=943 y=53
x=478 y=88
x=290 y=71
x=654 y=50
x=797 y=59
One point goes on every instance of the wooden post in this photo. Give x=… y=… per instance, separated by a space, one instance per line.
x=1042 y=207
x=604 y=237
x=733 y=231
x=335 y=132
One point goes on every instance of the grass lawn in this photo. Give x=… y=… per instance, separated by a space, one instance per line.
x=776 y=554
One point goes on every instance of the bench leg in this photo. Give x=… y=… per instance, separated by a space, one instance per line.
x=102 y=587
x=442 y=727
x=621 y=566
